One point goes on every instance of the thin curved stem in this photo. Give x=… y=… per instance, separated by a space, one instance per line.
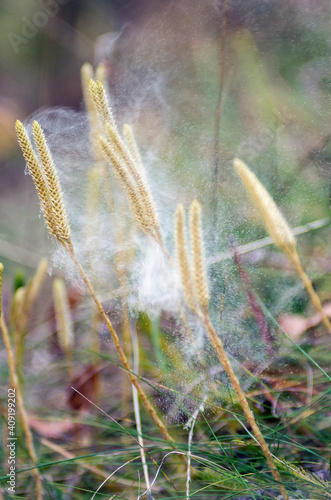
x=222 y=356
x=309 y=287
x=118 y=346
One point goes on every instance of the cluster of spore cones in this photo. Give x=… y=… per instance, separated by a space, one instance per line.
x=118 y=151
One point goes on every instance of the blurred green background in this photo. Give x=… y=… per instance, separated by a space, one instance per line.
x=163 y=68
x=164 y=59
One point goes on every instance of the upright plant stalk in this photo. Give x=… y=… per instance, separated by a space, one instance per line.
x=278 y=229
x=50 y=195
x=201 y=310
x=183 y=261
x=95 y=176
x=133 y=147
x=198 y=256
x=87 y=74
x=99 y=176
x=120 y=351
x=93 y=204
x=19 y=398
x=222 y=356
x=190 y=427
x=63 y=322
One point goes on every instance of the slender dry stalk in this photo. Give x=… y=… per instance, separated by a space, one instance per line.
x=5 y=432
x=37 y=174
x=92 y=209
x=219 y=108
x=123 y=236
x=256 y=308
x=202 y=312
x=94 y=187
x=136 y=203
x=198 y=255
x=137 y=172
x=190 y=427
x=310 y=289
x=125 y=160
x=222 y=356
x=278 y=229
x=95 y=470
x=87 y=74
x=19 y=398
x=120 y=351
x=63 y=322
x=101 y=76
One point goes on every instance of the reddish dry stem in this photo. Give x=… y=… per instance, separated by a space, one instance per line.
x=21 y=408
x=309 y=287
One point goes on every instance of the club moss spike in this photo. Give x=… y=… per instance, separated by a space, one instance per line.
x=274 y=221
x=183 y=261
x=37 y=175
x=60 y=224
x=198 y=255
x=1 y=273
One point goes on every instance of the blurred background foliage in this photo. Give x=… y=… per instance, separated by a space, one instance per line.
x=163 y=68
x=163 y=62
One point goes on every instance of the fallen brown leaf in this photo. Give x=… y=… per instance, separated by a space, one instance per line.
x=295 y=325
x=87 y=383
x=51 y=429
